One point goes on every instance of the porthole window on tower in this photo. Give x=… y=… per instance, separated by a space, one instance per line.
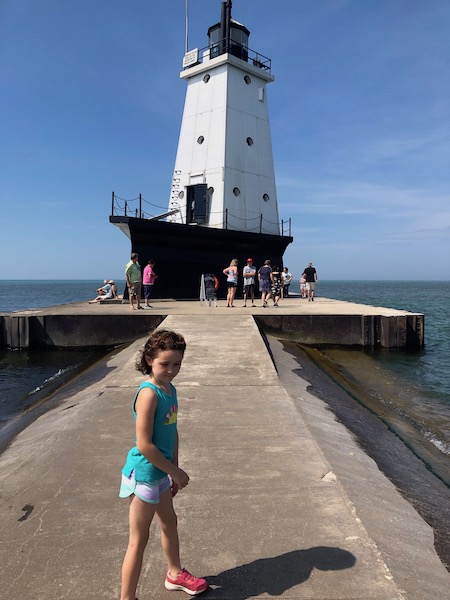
x=206 y=78
x=210 y=191
x=249 y=141
x=266 y=198
x=181 y=195
x=247 y=80
x=236 y=191
x=200 y=140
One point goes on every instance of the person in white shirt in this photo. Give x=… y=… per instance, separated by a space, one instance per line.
x=287 y=278
x=249 y=274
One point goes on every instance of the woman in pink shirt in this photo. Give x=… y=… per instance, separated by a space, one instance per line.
x=148 y=280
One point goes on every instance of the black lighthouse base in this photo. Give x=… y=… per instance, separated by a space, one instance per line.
x=182 y=253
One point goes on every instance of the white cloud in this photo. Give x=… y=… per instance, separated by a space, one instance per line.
x=400 y=147
x=364 y=198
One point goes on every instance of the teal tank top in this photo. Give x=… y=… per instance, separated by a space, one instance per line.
x=164 y=436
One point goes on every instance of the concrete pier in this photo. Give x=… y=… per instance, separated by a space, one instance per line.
x=322 y=322
x=272 y=509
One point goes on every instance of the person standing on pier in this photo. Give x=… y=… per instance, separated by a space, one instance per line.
x=303 y=285
x=249 y=274
x=265 y=283
x=311 y=280
x=232 y=277
x=134 y=280
x=151 y=475
x=276 y=289
x=148 y=280
x=287 y=278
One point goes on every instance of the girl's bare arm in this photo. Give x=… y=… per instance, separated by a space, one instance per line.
x=146 y=404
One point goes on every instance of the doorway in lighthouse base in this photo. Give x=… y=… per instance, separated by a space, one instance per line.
x=197 y=203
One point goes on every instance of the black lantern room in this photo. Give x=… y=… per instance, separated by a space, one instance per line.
x=228 y=36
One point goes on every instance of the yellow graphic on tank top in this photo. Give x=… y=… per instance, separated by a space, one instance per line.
x=171 y=416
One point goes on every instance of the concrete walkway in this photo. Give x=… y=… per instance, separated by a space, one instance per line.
x=264 y=514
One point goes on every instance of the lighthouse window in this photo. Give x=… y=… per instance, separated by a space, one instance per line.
x=249 y=141
x=266 y=198
x=200 y=140
x=206 y=78
x=247 y=80
x=181 y=195
x=236 y=191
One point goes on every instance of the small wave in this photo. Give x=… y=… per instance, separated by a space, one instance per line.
x=444 y=447
x=418 y=423
x=51 y=379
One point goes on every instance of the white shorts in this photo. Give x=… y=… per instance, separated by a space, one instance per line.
x=147 y=492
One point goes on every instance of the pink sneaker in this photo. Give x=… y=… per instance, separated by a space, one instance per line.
x=186 y=582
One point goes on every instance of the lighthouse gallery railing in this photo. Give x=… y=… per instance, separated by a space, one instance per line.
x=139 y=208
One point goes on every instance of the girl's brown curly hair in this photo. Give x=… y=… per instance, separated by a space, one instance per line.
x=161 y=339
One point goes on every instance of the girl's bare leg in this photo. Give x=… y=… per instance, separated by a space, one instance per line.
x=141 y=515
x=169 y=533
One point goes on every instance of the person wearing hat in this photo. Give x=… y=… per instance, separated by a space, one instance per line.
x=113 y=288
x=249 y=274
x=265 y=283
x=311 y=280
x=104 y=293
x=134 y=280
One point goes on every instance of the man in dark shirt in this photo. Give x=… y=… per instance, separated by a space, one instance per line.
x=311 y=280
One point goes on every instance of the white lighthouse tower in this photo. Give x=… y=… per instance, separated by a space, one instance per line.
x=223 y=201
x=224 y=174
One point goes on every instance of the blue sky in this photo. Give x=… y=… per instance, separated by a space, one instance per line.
x=91 y=102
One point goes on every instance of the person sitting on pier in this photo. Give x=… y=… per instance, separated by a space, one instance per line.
x=113 y=288
x=105 y=292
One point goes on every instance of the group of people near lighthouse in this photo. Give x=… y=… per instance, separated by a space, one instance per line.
x=271 y=281
x=136 y=280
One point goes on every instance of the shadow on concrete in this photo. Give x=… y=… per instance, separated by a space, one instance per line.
x=275 y=575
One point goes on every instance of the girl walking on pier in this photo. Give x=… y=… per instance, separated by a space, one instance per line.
x=151 y=476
